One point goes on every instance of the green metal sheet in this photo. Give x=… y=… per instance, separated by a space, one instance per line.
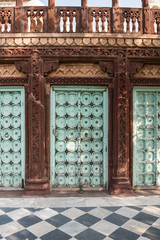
x=79 y=137
x=12 y=137
x=146 y=136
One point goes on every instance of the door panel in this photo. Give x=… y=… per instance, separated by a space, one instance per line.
x=79 y=137
x=12 y=137
x=146 y=137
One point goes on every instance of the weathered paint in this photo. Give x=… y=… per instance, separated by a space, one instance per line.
x=12 y=141
x=79 y=137
x=146 y=136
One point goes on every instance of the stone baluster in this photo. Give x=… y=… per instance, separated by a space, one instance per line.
x=128 y=18
x=103 y=17
x=134 y=18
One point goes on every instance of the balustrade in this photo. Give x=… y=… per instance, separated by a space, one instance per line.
x=78 y=19
x=156 y=21
x=99 y=19
x=68 y=19
x=6 y=20
x=132 y=20
x=35 y=19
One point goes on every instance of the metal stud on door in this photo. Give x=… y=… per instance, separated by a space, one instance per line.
x=146 y=137
x=79 y=137
x=12 y=151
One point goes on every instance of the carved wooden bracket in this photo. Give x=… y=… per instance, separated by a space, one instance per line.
x=50 y=67
x=107 y=67
x=135 y=67
x=23 y=66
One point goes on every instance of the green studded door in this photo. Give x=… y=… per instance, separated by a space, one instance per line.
x=79 y=137
x=146 y=137
x=12 y=140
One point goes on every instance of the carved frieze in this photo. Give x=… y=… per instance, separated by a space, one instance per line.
x=149 y=71
x=10 y=70
x=78 y=70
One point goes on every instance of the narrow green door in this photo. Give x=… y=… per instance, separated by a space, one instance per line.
x=79 y=137
x=146 y=136
x=12 y=137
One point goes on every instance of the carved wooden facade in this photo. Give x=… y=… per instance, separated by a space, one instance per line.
x=119 y=62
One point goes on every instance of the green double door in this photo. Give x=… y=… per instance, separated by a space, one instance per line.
x=12 y=137
x=146 y=137
x=79 y=137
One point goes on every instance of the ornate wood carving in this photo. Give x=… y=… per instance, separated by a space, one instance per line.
x=10 y=70
x=78 y=70
x=13 y=81
x=149 y=71
x=135 y=67
x=107 y=67
x=79 y=81
x=50 y=67
x=36 y=118
x=23 y=67
x=142 y=81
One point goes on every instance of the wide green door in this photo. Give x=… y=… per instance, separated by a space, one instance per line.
x=146 y=137
x=12 y=140
x=79 y=135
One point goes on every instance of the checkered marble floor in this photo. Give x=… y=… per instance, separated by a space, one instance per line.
x=140 y=222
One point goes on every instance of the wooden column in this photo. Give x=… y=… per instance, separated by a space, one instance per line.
x=121 y=177
x=19 y=20
x=37 y=181
x=51 y=3
x=84 y=16
x=84 y=3
x=19 y=3
x=147 y=18
x=51 y=16
x=116 y=20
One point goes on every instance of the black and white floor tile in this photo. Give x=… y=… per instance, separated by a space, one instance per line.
x=81 y=223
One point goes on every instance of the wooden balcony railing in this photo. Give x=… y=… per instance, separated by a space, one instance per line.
x=79 y=19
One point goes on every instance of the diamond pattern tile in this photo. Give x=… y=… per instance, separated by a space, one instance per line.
x=145 y=218
x=116 y=219
x=152 y=233
x=58 y=220
x=81 y=223
x=90 y=234
x=29 y=220
x=87 y=220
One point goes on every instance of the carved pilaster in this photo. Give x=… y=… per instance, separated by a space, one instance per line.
x=37 y=165
x=120 y=178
